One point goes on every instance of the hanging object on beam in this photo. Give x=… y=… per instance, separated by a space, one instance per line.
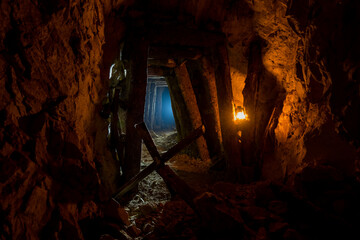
x=159 y=160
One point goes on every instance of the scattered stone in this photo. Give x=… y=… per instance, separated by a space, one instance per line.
x=125 y=236
x=278 y=207
x=275 y=227
x=106 y=237
x=133 y=230
x=292 y=234
x=261 y=234
x=148 y=228
x=148 y=208
x=115 y=211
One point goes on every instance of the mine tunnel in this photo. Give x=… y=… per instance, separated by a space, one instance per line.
x=180 y=119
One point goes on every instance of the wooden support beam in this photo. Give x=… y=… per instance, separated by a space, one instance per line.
x=159 y=160
x=183 y=143
x=250 y=93
x=154 y=71
x=183 y=36
x=202 y=78
x=149 y=95
x=192 y=107
x=138 y=78
x=225 y=97
x=153 y=108
x=166 y=52
x=166 y=62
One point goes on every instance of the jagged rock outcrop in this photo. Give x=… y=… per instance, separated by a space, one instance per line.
x=56 y=169
x=306 y=84
x=52 y=139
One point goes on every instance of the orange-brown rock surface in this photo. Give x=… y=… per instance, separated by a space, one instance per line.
x=52 y=138
x=55 y=166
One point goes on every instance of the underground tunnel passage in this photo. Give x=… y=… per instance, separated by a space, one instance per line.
x=158 y=113
x=220 y=119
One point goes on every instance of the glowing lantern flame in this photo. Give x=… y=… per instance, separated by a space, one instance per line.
x=240 y=114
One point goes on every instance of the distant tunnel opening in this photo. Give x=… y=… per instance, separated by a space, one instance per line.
x=158 y=113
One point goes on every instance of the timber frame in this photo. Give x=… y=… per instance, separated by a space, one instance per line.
x=164 y=51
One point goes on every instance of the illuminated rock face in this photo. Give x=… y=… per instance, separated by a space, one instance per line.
x=314 y=66
x=53 y=141
x=51 y=135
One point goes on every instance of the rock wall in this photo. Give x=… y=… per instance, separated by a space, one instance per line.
x=321 y=133
x=52 y=139
x=54 y=163
x=308 y=85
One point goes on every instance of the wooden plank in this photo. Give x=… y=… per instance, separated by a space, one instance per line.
x=135 y=180
x=137 y=75
x=192 y=107
x=166 y=52
x=154 y=71
x=183 y=124
x=165 y=62
x=158 y=160
x=203 y=81
x=225 y=99
x=179 y=35
x=183 y=143
x=177 y=185
x=149 y=143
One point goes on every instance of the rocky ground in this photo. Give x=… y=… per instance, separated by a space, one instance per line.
x=325 y=207
x=152 y=209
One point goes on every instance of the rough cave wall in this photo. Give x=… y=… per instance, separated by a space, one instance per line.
x=308 y=81
x=312 y=53
x=51 y=92
x=52 y=137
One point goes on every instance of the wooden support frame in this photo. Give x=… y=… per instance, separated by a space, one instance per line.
x=182 y=36
x=231 y=144
x=166 y=52
x=188 y=94
x=159 y=161
x=137 y=75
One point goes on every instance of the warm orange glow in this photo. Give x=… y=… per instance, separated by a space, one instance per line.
x=239 y=114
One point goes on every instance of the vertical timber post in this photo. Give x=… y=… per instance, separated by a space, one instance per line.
x=203 y=80
x=153 y=108
x=251 y=101
x=192 y=106
x=158 y=108
x=138 y=54
x=183 y=123
x=225 y=99
x=147 y=102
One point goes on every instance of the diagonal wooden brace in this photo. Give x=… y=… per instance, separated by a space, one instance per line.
x=159 y=161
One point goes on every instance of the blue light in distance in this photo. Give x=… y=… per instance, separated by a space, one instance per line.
x=166 y=112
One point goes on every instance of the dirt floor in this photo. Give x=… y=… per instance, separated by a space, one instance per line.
x=153 y=209
x=258 y=211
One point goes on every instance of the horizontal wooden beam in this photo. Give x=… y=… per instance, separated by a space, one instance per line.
x=183 y=36
x=156 y=71
x=166 y=52
x=169 y=63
